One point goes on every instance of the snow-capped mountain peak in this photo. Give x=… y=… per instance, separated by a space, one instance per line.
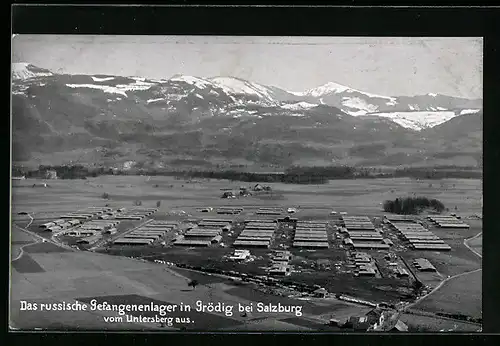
x=23 y=70
x=336 y=88
x=197 y=82
x=330 y=87
x=238 y=86
x=218 y=94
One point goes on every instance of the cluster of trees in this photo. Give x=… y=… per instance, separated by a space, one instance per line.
x=64 y=172
x=329 y=172
x=412 y=205
x=442 y=172
x=288 y=178
x=292 y=175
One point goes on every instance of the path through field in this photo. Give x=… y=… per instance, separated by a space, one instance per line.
x=450 y=280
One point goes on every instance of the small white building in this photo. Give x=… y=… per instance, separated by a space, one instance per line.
x=240 y=255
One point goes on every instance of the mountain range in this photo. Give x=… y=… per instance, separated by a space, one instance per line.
x=117 y=121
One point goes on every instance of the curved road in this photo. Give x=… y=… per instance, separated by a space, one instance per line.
x=37 y=239
x=21 y=249
x=451 y=277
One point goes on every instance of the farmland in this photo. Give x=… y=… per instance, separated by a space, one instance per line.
x=75 y=275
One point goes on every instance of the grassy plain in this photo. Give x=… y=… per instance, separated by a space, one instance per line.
x=460 y=295
x=69 y=275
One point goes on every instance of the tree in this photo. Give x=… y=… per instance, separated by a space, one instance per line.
x=193 y=283
x=158 y=204
x=105 y=195
x=412 y=205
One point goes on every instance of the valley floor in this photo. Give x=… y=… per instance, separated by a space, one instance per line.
x=43 y=273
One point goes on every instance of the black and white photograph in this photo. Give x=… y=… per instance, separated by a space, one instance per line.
x=246 y=183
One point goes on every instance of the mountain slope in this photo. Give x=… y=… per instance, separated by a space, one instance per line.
x=110 y=120
x=26 y=71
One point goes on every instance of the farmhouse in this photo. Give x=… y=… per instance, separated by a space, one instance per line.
x=228 y=194
x=320 y=293
x=258 y=187
x=358 y=323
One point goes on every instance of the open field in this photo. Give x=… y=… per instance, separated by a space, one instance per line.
x=70 y=276
x=18 y=240
x=465 y=289
x=79 y=275
x=361 y=196
x=418 y=323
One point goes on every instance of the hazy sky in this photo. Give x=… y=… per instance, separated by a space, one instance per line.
x=387 y=66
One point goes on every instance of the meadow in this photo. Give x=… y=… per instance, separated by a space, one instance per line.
x=363 y=196
x=461 y=295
